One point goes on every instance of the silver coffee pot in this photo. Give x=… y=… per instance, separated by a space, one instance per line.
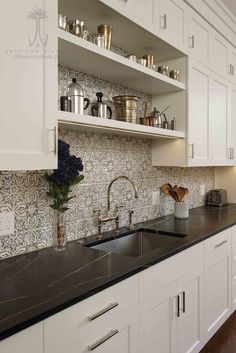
x=76 y=95
x=100 y=108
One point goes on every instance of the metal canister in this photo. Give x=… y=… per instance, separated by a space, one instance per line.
x=149 y=60
x=126 y=108
x=76 y=27
x=106 y=30
x=162 y=70
x=62 y=22
x=101 y=40
x=65 y=104
x=76 y=95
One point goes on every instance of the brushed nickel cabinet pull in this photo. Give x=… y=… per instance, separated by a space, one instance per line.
x=184 y=301
x=232 y=153
x=192 y=150
x=55 y=140
x=178 y=306
x=103 y=311
x=220 y=244
x=192 y=41
x=164 y=18
x=102 y=340
x=232 y=70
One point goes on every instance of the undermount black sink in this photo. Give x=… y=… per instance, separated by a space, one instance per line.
x=137 y=243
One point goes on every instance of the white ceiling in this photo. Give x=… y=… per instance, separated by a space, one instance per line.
x=231 y=4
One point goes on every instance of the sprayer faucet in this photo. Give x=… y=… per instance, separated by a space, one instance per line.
x=114 y=216
x=112 y=182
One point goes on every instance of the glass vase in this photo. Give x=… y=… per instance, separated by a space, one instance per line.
x=59 y=232
x=182 y=210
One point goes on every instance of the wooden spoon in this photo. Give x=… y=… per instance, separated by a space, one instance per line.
x=183 y=192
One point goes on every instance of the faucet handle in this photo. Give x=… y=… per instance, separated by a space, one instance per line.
x=130 y=225
x=118 y=208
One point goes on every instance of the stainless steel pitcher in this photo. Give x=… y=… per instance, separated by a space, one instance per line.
x=76 y=95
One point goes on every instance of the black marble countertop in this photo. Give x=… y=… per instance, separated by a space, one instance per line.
x=39 y=284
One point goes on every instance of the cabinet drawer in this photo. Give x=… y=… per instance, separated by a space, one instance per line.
x=161 y=275
x=83 y=323
x=218 y=245
x=65 y=335
x=27 y=341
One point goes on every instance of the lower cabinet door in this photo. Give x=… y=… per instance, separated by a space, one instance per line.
x=189 y=328
x=217 y=286
x=29 y=340
x=157 y=322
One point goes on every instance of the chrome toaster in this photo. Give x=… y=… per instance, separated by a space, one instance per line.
x=217 y=197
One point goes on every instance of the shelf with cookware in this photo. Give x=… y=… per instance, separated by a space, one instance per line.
x=95 y=124
x=85 y=45
x=80 y=54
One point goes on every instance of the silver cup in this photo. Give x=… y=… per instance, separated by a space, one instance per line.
x=62 y=22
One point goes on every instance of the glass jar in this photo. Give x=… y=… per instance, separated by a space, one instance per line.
x=59 y=241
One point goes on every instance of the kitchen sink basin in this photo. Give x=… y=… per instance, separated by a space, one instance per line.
x=136 y=244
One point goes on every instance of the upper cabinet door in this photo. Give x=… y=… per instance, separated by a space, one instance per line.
x=219 y=120
x=28 y=85
x=232 y=124
x=219 y=54
x=173 y=23
x=198 y=115
x=232 y=64
x=140 y=11
x=199 y=38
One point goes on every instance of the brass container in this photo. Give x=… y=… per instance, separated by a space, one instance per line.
x=106 y=30
x=149 y=60
x=126 y=108
x=145 y=121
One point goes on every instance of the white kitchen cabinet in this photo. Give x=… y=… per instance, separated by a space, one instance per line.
x=108 y=319
x=199 y=38
x=233 y=254
x=232 y=124
x=157 y=322
x=28 y=85
x=219 y=54
x=232 y=64
x=140 y=11
x=172 y=18
x=172 y=319
x=219 y=121
x=198 y=115
x=27 y=341
x=217 y=283
x=171 y=304
x=189 y=323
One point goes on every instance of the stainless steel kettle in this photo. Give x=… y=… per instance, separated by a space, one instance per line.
x=76 y=94
x=156 y=118
x=100 y=108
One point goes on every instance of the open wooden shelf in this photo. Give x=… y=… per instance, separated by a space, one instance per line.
x=82 y=55
x=91 y=123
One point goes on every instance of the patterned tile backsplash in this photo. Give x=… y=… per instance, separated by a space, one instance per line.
x=104 y=157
